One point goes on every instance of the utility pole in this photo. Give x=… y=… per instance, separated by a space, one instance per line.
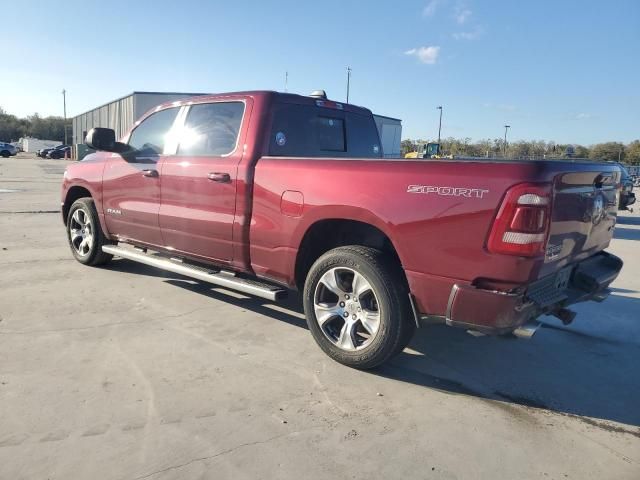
x=64 y=106
x=286 y=80
x=440 y=124
x=348 y=81
x=506 y=127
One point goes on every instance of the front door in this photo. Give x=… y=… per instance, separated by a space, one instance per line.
x=131 y=182
x=199 y=183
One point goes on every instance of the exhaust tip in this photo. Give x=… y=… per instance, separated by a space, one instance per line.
x=526 y=330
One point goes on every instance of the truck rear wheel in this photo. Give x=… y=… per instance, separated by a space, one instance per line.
x=357 y=306
x=85 y=234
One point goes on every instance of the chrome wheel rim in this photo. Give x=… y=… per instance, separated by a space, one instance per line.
x=346 y=309
x=80 y=232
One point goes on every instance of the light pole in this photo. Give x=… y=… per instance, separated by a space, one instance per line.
x=348 y=81
x=286 y=81
x=439 y=124
x=506 y=127
x=64 y=106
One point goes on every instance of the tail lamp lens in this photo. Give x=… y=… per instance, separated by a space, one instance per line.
x=521 y=226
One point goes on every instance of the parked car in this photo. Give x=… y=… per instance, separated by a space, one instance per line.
x=43 y=152
x=266 y=192
x=60 y=152
x=627 y=197
x=7 y=150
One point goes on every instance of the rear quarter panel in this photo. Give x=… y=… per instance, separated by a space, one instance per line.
x=437 y=236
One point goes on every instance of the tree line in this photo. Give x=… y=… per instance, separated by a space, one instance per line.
x=13 y=128
x=532 y=149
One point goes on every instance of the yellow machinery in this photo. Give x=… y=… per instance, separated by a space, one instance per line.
x=426 y=150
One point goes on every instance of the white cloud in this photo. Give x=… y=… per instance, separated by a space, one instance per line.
x=430 y=8
x=462 y=15
x=469 y=35
x=584 y=116
x=428 y=55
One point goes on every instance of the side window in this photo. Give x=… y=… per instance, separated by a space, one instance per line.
x=149 y=137
x=211 y=129
x=309 y=131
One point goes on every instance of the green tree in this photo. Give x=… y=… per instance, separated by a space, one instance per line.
x=632 y=153
x=407 y=145
x=11 y=127
x=607 y=151
x=581 y=151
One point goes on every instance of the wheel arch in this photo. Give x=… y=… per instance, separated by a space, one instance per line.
x=80 y=191
x=329 y=233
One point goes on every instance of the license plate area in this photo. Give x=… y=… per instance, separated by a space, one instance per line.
x=551 y=289
x=563 y=277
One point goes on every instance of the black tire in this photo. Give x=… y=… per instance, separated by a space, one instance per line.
x=388 y=285
x=5 y=153
x=94 y=255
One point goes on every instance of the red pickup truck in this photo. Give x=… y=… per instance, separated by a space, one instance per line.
x=265 y=192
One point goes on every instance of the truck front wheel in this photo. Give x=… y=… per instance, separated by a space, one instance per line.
x=85 y=234
x=357 y=306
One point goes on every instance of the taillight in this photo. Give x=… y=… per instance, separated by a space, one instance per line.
x=522 y=224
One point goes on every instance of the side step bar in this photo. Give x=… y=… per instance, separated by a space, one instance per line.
x=220 y=278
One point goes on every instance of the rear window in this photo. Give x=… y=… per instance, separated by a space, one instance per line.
x=310 y=131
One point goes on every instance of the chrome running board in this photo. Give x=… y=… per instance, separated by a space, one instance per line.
x=216 y=277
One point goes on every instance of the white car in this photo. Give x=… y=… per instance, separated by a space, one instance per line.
x=7 y=150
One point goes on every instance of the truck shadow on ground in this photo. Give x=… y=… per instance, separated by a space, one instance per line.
x=570 y=370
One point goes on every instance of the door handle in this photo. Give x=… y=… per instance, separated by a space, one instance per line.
x=150 y=173
x=219 y=177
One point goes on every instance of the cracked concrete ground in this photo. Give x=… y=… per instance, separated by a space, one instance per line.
x=126 y=372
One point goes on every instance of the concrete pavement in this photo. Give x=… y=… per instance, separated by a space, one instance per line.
x=126 y=372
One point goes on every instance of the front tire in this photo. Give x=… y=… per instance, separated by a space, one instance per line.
x=357 y=306
x=85 y=234
x=5 y=154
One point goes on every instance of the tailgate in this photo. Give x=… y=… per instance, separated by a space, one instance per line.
x=583 y=215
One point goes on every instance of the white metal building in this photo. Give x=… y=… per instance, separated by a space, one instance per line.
x=30 y=144
x=390 y=131
x=120 y=114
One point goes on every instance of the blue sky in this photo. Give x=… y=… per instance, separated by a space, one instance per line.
x=556 y=70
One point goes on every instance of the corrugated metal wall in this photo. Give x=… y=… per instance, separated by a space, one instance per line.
x=117 y=115
x=120 y=115
x=143 y=102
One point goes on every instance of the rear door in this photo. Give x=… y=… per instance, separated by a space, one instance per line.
x=131 y=183
x=583 y=215
x=199 y=182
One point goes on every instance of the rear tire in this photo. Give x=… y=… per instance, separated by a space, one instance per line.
x=357 y=306
x=5 y=153
x=85 y=234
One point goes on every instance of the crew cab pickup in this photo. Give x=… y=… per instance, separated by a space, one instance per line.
x=267 y=192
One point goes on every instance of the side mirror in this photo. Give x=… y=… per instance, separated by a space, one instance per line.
x=101 y=139
x=105 y=139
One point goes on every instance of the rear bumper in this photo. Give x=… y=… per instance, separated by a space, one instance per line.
x=495 y=312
